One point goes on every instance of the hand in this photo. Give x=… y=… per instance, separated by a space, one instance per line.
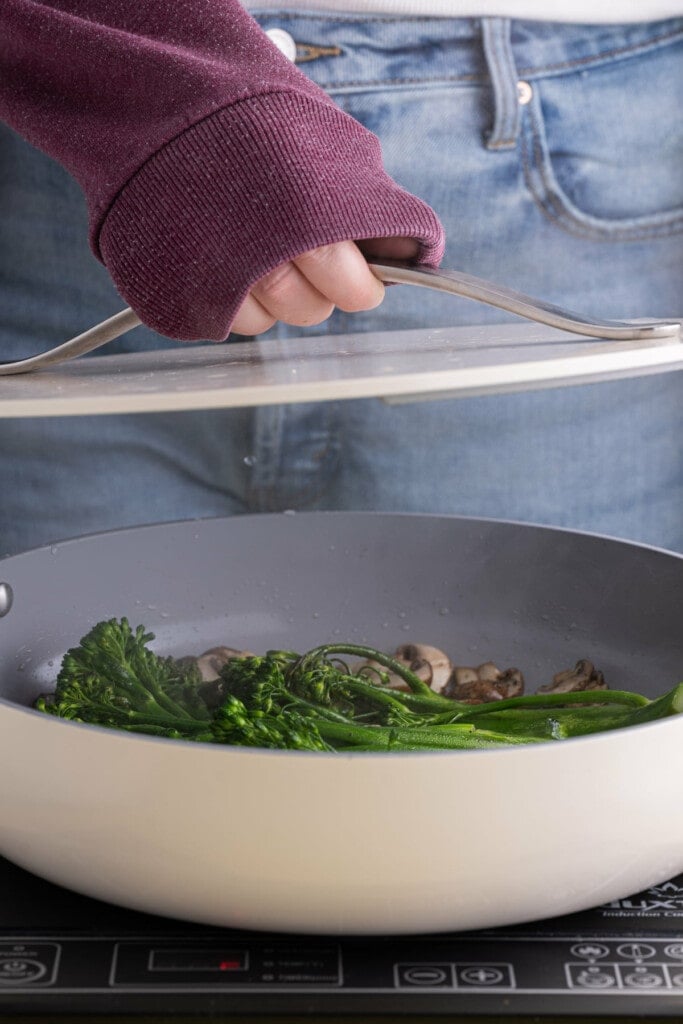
x=306 y=290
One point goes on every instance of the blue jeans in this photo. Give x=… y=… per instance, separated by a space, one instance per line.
x=567 y=186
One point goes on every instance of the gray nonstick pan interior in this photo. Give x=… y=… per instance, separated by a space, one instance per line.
x=532 y=597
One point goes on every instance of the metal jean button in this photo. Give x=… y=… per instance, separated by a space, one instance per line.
x=284 y=42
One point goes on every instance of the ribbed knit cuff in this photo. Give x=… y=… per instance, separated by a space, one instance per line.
x=239 y=193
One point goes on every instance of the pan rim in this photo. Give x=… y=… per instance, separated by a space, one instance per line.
x=333 y=513
x=615 y=735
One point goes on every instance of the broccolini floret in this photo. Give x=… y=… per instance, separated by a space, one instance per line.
x=112 y=678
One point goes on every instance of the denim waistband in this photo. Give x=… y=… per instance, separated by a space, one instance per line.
x=350 y=50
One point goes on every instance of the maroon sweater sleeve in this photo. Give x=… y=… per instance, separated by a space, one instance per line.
x=206 y=157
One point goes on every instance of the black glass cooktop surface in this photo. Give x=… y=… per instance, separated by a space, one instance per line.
x=67 y=956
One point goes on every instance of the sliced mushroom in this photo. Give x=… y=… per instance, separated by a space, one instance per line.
x=584 y=676
x=212 y=661
x=484 y=683
x=430 y=664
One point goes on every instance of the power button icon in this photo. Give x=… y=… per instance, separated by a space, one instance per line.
x=24 y=962
x=21 y=970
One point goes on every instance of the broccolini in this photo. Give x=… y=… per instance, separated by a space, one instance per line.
x=314 y=701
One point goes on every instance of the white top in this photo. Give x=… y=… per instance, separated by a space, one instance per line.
x=572 y=11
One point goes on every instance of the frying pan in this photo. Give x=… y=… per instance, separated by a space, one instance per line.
x=347 y=843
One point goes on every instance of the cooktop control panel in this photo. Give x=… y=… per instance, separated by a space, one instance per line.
x=486 y=965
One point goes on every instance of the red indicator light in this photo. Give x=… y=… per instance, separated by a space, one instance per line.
x=229 y=965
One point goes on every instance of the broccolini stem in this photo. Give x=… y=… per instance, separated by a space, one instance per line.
x=455 y=737
x=553 y=701
x=168 y=732
x=670 y=703
x=386 y=697
x=416 y=684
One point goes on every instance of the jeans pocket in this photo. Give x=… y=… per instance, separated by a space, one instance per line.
x=602 y=148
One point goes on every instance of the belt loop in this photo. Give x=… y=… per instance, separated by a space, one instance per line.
x=497 y=41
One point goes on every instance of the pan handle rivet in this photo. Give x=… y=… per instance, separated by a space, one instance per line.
x=6 y=598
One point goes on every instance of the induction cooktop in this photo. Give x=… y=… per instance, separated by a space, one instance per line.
x=64 y=955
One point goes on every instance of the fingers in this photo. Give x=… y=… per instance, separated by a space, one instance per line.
x=341 y=273
x=290 y=296
x=285 y=294
x=252 y=318
x=306 y=290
